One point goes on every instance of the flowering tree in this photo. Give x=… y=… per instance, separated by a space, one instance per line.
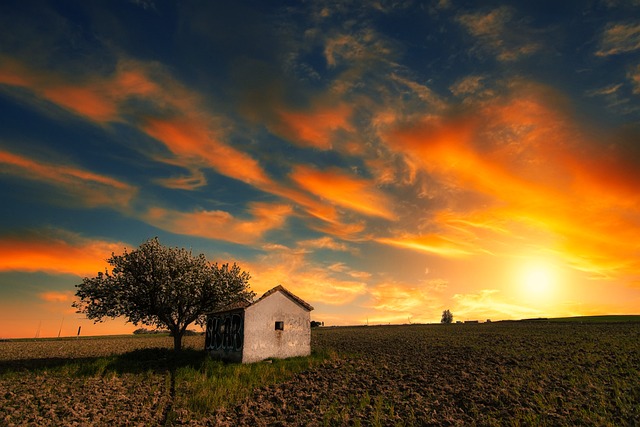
x=160 y=286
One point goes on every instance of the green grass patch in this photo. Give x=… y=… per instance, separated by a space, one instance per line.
x=196 y=382
x=215 y=384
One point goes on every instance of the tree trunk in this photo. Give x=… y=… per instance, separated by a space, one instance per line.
x=177 y=340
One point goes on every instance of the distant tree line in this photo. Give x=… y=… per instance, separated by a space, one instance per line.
x=145 y=331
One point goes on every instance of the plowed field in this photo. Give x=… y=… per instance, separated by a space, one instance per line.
x=487 y=374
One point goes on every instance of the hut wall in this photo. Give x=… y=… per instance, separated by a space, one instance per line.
x=224 y=337
x=263 y=337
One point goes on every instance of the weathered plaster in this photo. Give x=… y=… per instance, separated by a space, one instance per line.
x=249 y=334
x=262 y=340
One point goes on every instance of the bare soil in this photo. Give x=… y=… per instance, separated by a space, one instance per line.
x=442 y=375
x=460 y=375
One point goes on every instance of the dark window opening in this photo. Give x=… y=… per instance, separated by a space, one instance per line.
x=279 y=326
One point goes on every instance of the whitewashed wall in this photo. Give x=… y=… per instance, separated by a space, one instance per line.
x=262 y=340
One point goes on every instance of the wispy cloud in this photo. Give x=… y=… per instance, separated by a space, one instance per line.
x=196 y=143
x=81 y=186
x=313 y=281
x=619 y=38
x=404 y=300
x=486 y=304
x=604 y=91
x=222 y=225
x=349 y=231
x=316 y=127
x=54 y=296
x=498 y=32
x=423 y=92
x=172 y=114
x=634 y=76
x=99 y=98
x=341 y=267
x=364 y=46
x=433 y=244
x=344 y=190
x=467 y=85
x=195 y=139
x=325 y=242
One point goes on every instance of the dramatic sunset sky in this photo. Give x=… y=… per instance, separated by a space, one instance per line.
x=383 y=160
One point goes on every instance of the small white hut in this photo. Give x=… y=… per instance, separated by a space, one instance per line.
x=277 y=325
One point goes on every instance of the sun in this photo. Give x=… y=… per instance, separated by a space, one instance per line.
x=538 y=279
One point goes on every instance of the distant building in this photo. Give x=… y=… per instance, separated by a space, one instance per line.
x=276 y=325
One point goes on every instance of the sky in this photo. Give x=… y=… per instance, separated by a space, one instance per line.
x=382 y=160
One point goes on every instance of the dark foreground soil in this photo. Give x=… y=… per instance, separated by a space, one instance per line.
x=442 y=375
x=51 y=382
x=461 y=375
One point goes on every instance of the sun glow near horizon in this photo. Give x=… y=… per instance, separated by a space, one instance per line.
x=539 y=281
x=383 y=171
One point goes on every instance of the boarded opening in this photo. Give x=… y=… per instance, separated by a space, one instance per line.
x=280 y=326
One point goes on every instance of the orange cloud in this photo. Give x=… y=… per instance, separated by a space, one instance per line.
x=433 y=244
x=13 y=72
x=222 y=225
x=331 y=220
x=341 y=267
x=53 y=296
x=56 y=254
x=98 y=98
x=92 y=102
x=634 y=77
x=344 y=190
x=312 y=282
x=325 y=242
x=452 y=149
x=345 y=231
x=314 y=128
x=404 y=299
x=486 y=305
x=543 y=183
x=176 y=118
x=604 y=176
x=87 y=188
x=197 y=141
x=178 y=121
x=604 y=250
x=472 y=223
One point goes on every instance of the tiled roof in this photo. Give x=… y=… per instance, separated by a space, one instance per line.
x=234 y=306
x=244 y=303
x=288 y=294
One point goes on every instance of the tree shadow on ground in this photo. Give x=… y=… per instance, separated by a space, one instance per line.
x=158 y=360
